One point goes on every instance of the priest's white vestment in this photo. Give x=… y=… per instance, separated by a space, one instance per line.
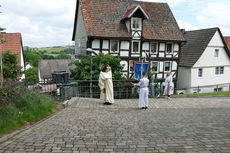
x=144 y=92
x=106 y=82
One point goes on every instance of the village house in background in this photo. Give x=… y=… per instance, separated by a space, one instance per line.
x=47 y=67
x=13 y=42
x=204 y=62
x=129 y=29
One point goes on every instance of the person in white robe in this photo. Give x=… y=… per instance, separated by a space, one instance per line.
x=106 y=86
x=144 y=92
x=168 y=85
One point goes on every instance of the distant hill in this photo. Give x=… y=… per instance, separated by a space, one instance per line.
x=55 y=49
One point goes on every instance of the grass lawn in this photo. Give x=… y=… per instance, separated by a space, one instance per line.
x=222 y=93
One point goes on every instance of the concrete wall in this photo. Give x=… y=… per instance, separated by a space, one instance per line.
x=184 y=77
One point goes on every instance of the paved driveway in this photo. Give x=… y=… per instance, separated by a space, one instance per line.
x=180 y=125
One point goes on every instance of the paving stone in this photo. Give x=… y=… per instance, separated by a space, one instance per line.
x=180 y=125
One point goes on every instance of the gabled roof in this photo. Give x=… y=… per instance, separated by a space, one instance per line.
x=227 y=41
x=197 y=42
x=47 y=67
x=13 y=43
x=103 y=18
x=132 y=10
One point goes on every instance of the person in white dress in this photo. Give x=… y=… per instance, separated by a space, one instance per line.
x=144 y=92
x=106 y=86
x=168 y=85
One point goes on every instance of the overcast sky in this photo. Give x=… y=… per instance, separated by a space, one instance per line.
x=50 y=22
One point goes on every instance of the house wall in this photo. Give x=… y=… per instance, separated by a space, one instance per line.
x=209 y=62
x=80 y=35
x=184 y=77
x=22 y=64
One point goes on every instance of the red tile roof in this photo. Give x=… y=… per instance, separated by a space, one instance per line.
x=103 y=18
x=227 y=41
x=13 y=43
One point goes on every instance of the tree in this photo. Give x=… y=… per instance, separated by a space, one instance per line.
x=62 y=56
x=82 y=67
x=32 y=75
x=32 y=57
x=11 y=70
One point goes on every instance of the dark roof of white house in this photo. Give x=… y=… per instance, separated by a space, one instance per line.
x=197 y=42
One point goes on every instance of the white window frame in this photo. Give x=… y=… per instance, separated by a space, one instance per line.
x=157 y=66
x=200 y=76
x=167 y=48
x=155 y=48
x=170 y=67
x=138 y=46
x=131 y=61
x=111 y=46
x=216 y=53
x=139 y=21
x=218 y=70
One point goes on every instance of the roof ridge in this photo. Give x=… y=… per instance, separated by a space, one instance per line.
x=202 y=29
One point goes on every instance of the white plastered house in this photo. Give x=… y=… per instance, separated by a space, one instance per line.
x=204 y=62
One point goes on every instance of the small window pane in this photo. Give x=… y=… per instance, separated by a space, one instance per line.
x=200 y=72
x=153 y=47
x=222 y=70
x=167 y=66
x=114 y=46
x=217 y=70
x=216 y=52
x=135 y=47
x=154 y=67
x=169 y=48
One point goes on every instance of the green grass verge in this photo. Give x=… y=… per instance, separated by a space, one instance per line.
x=222 y=93
x=27 y=107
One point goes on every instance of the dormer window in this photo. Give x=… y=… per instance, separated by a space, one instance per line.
x=136 y=24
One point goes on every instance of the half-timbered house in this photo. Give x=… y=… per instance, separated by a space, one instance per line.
x=130 y=29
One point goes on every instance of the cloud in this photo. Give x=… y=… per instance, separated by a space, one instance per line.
x=41 y=22
x=216 y=14
x=186 y=25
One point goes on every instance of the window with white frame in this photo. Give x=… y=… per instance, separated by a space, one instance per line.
x=114 y=46
x=136 y=23
x=169 y=48
x=131 y=66
x=216 y=52
x=136 y=47
x=200 y=72
x=219 y=70
x=167 y=66
x=153 y=47
x=154 y=66
x=218 y=89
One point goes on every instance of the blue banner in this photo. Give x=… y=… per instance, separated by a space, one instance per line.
x=140 y=67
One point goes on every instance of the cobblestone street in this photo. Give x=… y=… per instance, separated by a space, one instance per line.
x=179 y=125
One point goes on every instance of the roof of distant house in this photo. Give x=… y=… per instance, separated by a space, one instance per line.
x=13 y=42
x=105 y=18
x=227 y=41
x=197 y=42
x=47 y=67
